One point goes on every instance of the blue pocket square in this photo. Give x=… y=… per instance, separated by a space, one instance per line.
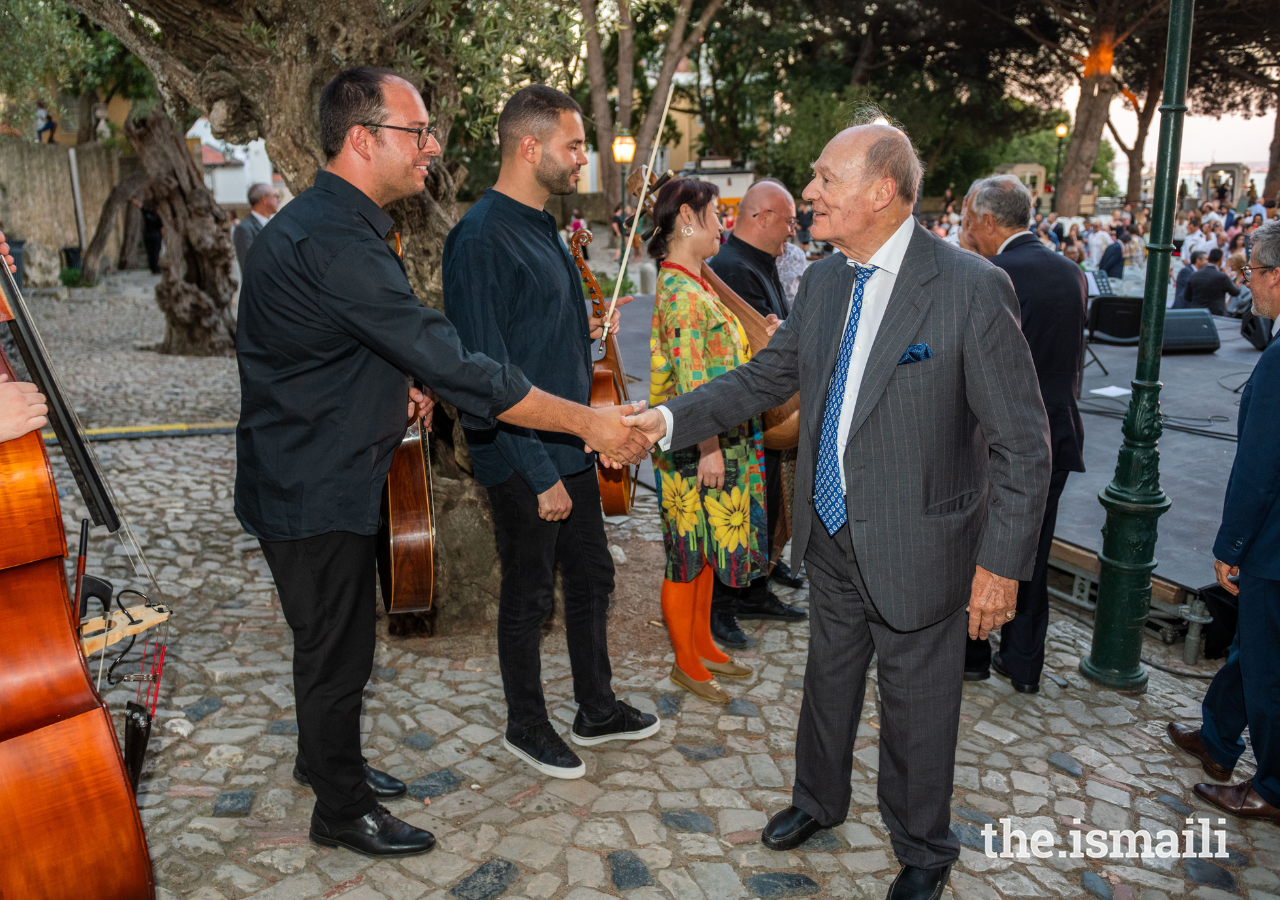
x=916 y=353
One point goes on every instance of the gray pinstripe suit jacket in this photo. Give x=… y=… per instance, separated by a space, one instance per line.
x=948 y=458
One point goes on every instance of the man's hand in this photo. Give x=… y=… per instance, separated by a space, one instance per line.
x=992 y=602
x=420 y=404
x=773 y=323
x=711 y=466
x=614 y=438
x=1222 y=570
x=554 y=503
x=651 y=422
x=597 y=322
x=4 y=251
x=22 y=409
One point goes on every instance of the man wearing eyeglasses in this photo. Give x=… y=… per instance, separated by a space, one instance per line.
x=264 y=203
x=330 y=335
x=747 y=263
x=1245 y=692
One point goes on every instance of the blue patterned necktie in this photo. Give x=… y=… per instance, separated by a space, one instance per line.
x=828 y=495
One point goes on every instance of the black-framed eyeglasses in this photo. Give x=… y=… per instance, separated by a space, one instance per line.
x=791 y=222
x=1247 y=271
x=422 y=133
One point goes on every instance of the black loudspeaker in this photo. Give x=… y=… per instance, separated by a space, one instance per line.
x=1256 y=331
x=1190 y=331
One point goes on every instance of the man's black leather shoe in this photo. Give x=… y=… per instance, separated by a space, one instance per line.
x=758 y=602
x=789 y=829
x=782 y=575
x=977 y=674
x=384 y=786
x=914 y=883
x=998 y=665
x=726 y=630
x=378 y=834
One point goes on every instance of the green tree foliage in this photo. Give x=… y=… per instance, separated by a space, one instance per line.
x=44 y=48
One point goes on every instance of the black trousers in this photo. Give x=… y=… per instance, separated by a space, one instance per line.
x=1022 y=637
x=528 y=548
x=920 y=683
x=153 y=241
x=326 y=586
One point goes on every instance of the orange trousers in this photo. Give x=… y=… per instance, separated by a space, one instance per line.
x=686 y=607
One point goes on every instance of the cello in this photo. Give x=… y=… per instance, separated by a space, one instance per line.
x=407 y=538
x=608 y=388
x=69 y=822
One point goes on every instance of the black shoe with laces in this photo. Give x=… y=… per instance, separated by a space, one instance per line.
x=377 y=834
x=384 y=786
x=626 y=724
x=545 y=750
x=758 y=602
x=726 y=630
x=783 y=575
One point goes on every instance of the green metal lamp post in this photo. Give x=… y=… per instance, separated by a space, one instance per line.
x=1133 y=500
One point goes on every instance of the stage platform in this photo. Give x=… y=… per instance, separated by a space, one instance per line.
x=1198 y=393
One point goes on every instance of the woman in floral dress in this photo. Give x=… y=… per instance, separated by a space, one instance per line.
x=712 y=495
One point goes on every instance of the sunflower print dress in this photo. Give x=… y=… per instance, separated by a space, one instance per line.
x=693 y=340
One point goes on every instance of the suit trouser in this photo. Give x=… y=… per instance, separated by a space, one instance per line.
x=1246 y=690
x=920 y=682
x=326 y=587
x=528 y=547
x=1022 y=638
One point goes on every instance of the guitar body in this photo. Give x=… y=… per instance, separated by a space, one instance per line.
x=68 y=819
x=608 y=388
x=407 y=541
x=782 y=423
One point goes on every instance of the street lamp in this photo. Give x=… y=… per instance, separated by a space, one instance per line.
x=624 y=150
x=1061 y=132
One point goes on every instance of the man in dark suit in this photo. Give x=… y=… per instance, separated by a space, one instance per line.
x=1246 y=690
x=1208 y=288
x=747 y=263
x=264 y=203
x=1051 y=293
x=1112 y=262
x=1184 y=276
x=920 y=486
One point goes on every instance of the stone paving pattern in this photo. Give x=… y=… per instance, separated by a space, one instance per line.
x=677 y=816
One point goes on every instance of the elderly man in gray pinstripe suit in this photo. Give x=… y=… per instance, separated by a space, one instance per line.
x=920 y=486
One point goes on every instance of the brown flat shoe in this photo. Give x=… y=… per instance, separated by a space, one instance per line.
x=1188 y=739
x=730 y=669
x=1239 y=800
x=708 y=690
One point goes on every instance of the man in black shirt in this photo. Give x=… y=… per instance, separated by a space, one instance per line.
x=747 y=263
x=329 y=335
x=1208 y=288
x=512 y=287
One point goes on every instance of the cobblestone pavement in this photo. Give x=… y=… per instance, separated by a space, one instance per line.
x=676 y=816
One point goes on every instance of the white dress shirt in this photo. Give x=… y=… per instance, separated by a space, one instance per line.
x=875 y=300
x=262 y=220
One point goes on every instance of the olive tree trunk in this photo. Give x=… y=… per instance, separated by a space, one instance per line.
x=195 y=287
x=1092 y=113
x=95 y=261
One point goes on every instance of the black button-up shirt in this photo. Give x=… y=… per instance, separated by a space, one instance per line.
x=753 y=275
x=511 y=287
x=330 y=334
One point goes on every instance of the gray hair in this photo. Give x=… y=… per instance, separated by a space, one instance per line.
x=1266 y=245
x=1003 y=197
x=892 y=155
x=257 y=192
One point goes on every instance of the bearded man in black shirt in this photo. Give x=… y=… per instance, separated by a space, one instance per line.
x=329 y=335
x=512 y=287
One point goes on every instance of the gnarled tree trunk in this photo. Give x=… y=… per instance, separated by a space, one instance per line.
x=196 y=287
x=1096 y=92
x=95 y=261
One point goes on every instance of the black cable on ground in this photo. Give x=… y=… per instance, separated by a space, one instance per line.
x=1170 y=423
x=1183 y=673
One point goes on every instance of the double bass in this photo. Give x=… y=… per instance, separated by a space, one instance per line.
x=69 y=824
x=608 y=388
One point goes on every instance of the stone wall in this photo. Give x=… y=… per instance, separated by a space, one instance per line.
x=36 y=203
